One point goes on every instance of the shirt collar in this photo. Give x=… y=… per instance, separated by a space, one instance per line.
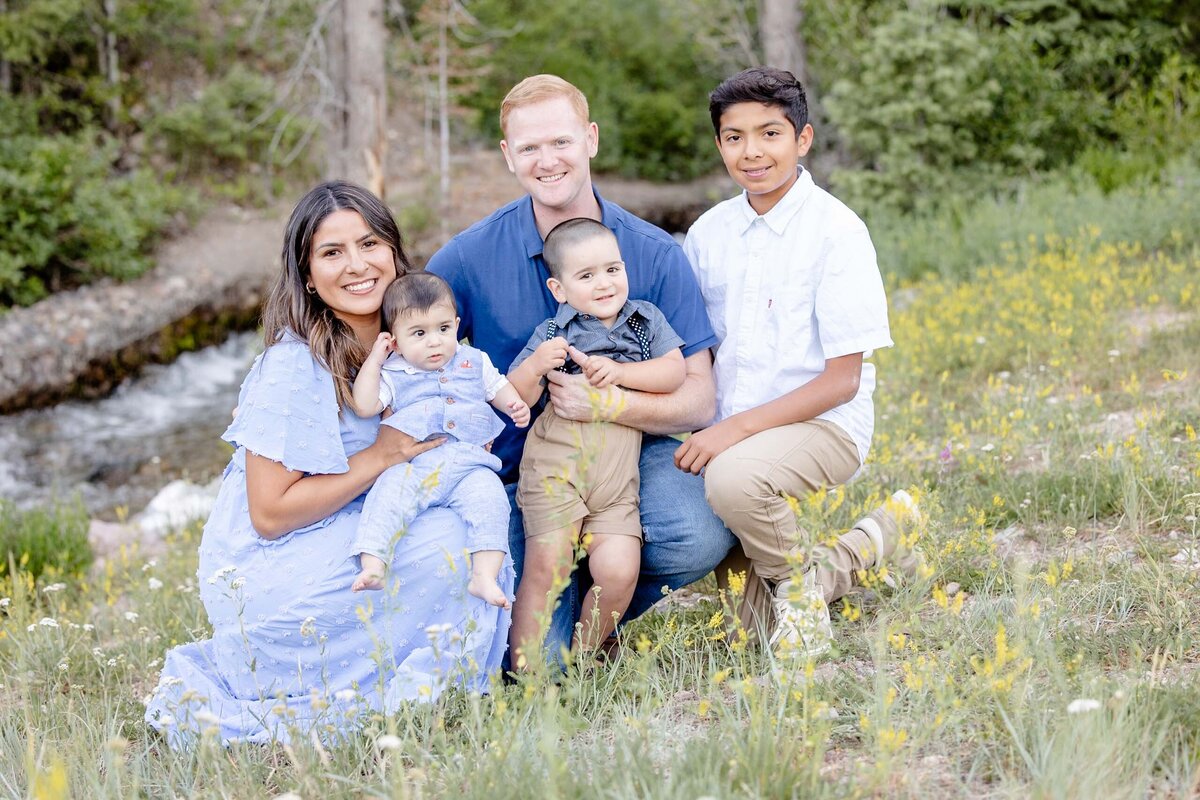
x=396 y=363
x=567 y=313
x=534 y=244
x=777 y=218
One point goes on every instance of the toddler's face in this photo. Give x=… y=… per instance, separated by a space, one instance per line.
x=427 y=339
x=593 y=279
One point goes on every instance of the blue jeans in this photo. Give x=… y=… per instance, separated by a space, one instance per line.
x=684 y=539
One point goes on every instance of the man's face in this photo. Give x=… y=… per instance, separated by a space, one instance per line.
x=549 y=147
x=592 y=279
x=761 y=148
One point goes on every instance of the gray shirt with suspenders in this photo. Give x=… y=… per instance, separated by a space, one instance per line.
x=640 y=333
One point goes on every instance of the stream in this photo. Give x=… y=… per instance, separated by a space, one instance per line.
x=117 y=452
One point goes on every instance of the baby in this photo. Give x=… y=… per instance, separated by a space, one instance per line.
x=435 y=387
x=580 y=479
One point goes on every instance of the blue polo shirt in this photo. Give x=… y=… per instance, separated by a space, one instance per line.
x=499 y=279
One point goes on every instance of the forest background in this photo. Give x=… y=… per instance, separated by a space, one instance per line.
x=122 y=119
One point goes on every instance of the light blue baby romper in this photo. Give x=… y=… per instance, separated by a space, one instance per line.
x=460 y=475
x=293 y=651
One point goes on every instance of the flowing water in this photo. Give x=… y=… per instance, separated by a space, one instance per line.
x=119 y=451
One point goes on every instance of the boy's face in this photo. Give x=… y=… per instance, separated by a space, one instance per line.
x=761 y=148
x=427 y=339
x=549 y=148
x=592 y=279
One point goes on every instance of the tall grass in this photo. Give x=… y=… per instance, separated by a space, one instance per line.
x=1045 y=414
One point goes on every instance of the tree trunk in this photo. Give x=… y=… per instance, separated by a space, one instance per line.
x=355 y=39
x=5 y=66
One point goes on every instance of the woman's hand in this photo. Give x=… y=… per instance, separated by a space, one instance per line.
x=396 y=447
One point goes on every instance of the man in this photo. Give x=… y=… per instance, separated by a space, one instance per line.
x=499 y=277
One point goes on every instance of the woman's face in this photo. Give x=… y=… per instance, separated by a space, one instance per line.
x=350 y=267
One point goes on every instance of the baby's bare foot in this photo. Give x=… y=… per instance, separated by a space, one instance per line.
x=487 y=590
x=372 y=575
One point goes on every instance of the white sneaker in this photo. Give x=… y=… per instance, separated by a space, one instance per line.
x=802 y=626
x=903 y=509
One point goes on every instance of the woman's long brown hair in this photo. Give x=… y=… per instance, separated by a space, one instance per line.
x=290 y=307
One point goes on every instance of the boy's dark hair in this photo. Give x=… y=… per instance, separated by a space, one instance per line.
x=566 y=234
x=768 y=85
x=415 y=292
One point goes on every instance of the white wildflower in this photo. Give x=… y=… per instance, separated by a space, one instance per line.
x=206 y=717
x=46 y=622
x=54 y=587
x=64 y=665
x=346 y=695
x=87 y=626
x=437 y=630
x=5 y=602
x=237 y=582
x=149 y=565
x=1114 y=353
x=987 y=448
x=131 y=616
x=388 y=742
x=308 y=627
x=155 y=584
x=1082 y=706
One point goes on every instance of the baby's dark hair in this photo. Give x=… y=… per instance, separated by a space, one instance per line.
x=566 y=234
x=415 y=292
x=767 y=85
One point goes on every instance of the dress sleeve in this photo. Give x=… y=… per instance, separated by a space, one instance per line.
x=287 y=412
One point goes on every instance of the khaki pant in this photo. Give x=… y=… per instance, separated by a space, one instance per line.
x=748 y=486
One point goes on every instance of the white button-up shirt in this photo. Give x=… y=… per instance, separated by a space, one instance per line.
x=786 y=291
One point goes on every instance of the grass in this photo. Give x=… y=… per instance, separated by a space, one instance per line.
x=1046 y=413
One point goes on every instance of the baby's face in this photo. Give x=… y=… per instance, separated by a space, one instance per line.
x=593 y=279
x=427 y=339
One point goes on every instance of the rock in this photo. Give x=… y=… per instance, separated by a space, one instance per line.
x=176 y=505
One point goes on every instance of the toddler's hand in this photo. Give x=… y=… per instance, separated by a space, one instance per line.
x=550 y=355
x=602 y=371
x=518 y=410
x=383 y=345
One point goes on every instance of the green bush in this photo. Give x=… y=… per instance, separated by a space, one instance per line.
x=44 y=540
x=233 y=125
x=66 y=215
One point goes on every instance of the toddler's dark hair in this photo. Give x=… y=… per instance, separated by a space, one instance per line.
x=768 y=85
x=415 y=292
x=566 y=234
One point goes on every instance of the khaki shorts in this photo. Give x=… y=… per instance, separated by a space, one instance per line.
x=572 y=471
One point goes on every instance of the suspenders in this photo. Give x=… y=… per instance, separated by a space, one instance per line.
x=635 y=324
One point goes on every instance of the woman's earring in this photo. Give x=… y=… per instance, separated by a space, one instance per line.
x=310 y=288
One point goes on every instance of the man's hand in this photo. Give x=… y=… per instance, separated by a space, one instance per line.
x=703 y=446
x=600 y=370
x=574 y=398
x=550 y=355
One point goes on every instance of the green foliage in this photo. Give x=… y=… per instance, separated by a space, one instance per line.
x=66 y=217
x=235 y=123
x=967 y=233
x=646 y=83
x=38 y=541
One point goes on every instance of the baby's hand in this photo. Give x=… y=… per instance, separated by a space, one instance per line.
x=518 y=410
x=602 y=371
x=550 y=355
x=382 y=346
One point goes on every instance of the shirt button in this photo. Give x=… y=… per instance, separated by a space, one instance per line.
x=450 y=401
x=450 y=425
x=612 y=337
x=444 y=379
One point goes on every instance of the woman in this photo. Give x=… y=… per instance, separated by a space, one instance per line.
x=293 y=649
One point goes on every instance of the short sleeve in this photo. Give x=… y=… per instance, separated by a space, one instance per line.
x=539 y=336
x=493 y=381
x=851 y=307
x=663 y=338
x=387 y=391
x=287 y=412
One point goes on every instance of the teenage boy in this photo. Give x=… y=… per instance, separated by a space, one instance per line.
x=499 y=276
x=789 y=277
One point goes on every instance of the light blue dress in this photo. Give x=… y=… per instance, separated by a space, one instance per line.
x=293 y=650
